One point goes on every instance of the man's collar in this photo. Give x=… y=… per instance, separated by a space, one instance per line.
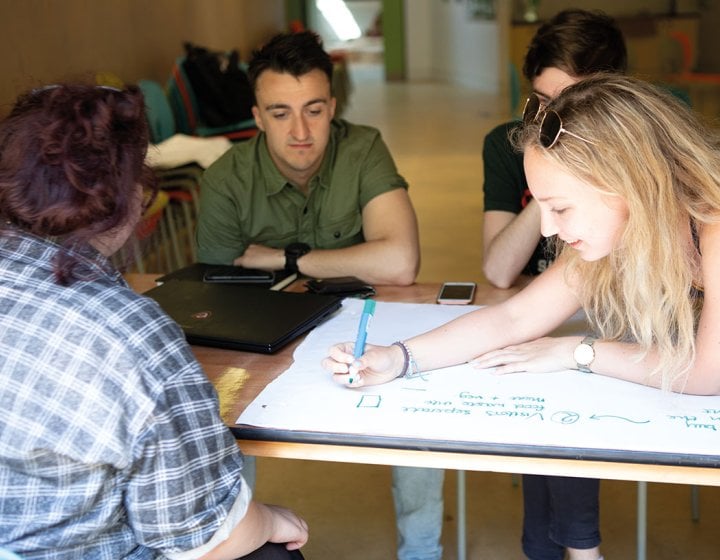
x=273 y=180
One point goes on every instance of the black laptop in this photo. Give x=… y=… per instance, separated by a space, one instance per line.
x=241 y=317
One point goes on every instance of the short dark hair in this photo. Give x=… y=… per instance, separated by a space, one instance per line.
x=578 y=42
x=293 y=53
x=71 y=157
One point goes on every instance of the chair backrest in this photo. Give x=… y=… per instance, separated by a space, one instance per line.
x=158 y=111
x=680 y=92
x=182 y=99
x=106 y=78
x=686 y=48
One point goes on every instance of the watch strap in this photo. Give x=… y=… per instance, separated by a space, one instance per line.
x=292 y=253
x=291 y=262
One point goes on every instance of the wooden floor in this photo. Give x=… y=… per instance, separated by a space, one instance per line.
x=435 y=133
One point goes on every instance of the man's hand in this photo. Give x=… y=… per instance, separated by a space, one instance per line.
x=509 y=241
x=264 y=258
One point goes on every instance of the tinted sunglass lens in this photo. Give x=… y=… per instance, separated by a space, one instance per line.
x=532 y=106
x=550 y=129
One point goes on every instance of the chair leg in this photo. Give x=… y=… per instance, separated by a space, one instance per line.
x=137 y=255
x=695 y=502
x=171 y=218
x=165 y=244
x=461 y=517
x=189 y=228
x=641 y=520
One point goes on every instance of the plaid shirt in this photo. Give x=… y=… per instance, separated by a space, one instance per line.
x=111 y=445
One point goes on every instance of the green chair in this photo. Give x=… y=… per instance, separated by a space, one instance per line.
x=158 y=111
x=180 y=184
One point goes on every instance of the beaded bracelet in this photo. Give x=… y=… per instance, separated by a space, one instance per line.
x=410 y=367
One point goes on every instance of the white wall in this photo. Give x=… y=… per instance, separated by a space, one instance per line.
x=444 y=44
x=364 y=12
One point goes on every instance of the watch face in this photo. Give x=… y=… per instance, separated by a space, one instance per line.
x=584 y=354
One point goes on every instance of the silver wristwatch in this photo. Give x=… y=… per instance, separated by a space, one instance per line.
x=584 y=354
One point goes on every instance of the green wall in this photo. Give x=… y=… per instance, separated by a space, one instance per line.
x=295 y=10
x=394 y=33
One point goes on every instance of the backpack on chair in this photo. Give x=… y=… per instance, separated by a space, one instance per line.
x=221 y=87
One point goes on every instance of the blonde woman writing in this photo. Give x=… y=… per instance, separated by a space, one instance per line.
x=629 y=181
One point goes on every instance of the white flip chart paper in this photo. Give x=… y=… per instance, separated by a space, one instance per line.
x=464 y=404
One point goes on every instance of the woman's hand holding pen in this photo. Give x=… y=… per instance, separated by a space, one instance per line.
x=379 y=364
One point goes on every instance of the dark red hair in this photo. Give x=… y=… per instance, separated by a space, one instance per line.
x=71 y=157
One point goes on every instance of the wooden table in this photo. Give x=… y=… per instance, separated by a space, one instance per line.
x=240 y=377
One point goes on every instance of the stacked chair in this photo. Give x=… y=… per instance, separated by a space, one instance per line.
x=164 y=240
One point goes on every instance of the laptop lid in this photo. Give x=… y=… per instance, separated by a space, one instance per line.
x=241 y=317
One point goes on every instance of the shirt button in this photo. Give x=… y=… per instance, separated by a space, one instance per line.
x=336 y=235
x=305 y=210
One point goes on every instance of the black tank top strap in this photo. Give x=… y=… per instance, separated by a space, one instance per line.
x=695 y=236
x=696 y=291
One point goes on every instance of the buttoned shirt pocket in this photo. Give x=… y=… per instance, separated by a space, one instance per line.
x=333 y=232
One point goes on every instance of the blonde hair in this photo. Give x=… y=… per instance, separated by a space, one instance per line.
x=645 y=146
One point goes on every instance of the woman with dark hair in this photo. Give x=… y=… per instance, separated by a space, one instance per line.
x=72 y=165
x=111 y=445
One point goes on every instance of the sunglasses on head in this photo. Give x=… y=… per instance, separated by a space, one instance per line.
x=551 y=126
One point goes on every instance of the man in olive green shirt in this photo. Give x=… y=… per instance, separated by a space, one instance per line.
x=323 y=197
x=309 y=193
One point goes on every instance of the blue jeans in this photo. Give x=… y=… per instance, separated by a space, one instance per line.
x=560 y=512
x=418 y=495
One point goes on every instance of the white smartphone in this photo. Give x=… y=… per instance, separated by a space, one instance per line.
x=458 y=293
